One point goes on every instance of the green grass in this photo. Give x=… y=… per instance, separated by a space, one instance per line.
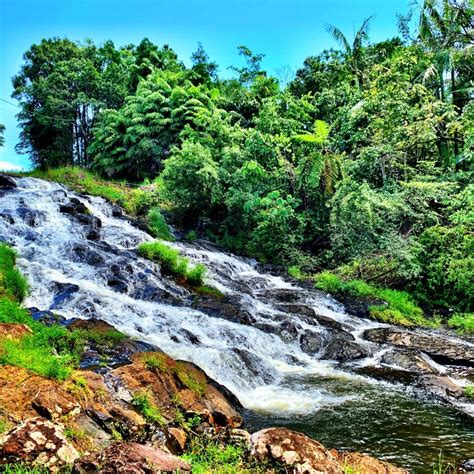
x=400 y=307
x=157 y=225
x=295 y=272
x=135 y=201
x=462 y=322
x=206 y=456
x=49 y=351
x=144 y=405
x=21 y=468
x=469 y=391
x=172 y=263
x=13 y=284
x=188 y=379
x=156 y=361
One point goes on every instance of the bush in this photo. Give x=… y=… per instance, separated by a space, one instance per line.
x=157 y=225
x=463 y=322
x=13 y=284
x=143 y=404
x=172 y=263
x=400 y=307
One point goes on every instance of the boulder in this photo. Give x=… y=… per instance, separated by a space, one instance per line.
x=342 y=347
x=178 y=437
x=362 y=463
x=311 y=342
x=39 y=442
x=229 y=308
x=130 y=458
x=442 y=350
x=73 y=207
x=31 y=217
x=167 y=380
x=14 y=331
x=292 y=451
x=411 y=360
x=7 y=182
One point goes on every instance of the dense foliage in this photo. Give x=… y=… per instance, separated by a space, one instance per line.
x=361 y=164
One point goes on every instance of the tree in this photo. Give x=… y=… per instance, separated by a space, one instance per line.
x=204 y=70
x=252 y=69
x=354 y=53
x=2 y=130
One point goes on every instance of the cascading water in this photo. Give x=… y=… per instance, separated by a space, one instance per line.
x=269 y=351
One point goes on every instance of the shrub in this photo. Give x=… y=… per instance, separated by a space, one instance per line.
x=400 y=307
x=157 y=225
x=172 y=263
x=15 y=284
x=151 y=413
x=195 y=276
x=463 y=322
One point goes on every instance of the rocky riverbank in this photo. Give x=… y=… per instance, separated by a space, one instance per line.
x=137 y=411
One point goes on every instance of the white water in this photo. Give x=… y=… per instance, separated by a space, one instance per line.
x=266 y=372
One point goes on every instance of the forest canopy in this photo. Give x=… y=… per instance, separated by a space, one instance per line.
x=361 y=163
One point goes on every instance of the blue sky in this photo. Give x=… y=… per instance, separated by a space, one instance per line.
x=286 y=31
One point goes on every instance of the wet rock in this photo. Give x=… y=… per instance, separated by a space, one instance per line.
x=292 y=451
x=441 y=349
x=31 y=217
x=92 y=224
x=109 y=348
x=254 y=365
x=467 y=465
x=48 y=318
x=411 y=360
x=363 y=463
x=7 y=217
x=300 y=309
x=116 y=211
x=64 y=292
x=7 y=182
x=389 y=374
x=282 y=295
x=311 y=342
x=87 y=255
x=441 y=387
x=120 y=286
x=73 y=207
x=39 y=442
x=228 y=307
x=342 y=347
x=131 y=458
x=14 y=331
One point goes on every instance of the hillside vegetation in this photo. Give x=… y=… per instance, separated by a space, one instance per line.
x=360 y=165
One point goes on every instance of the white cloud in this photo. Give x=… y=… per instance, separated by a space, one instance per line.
x=5 y=166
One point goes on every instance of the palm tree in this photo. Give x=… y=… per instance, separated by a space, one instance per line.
x=355 y=52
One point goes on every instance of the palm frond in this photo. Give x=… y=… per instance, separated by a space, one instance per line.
x=338 y=35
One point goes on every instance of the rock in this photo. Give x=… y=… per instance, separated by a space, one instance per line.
x=48 y=318
x=467 y=465
x=311 y=342
x=362 y=463
x=31 y=217
x=441 y=349
x=25 y=395
x=93 y=225
x=240 y=436
x=7 y=182
x=54 y=403
x=73 y=207
x=282 y=295
x=411 y=360
x=342 y=347
x=390 y=374
x=39 y=442
x=440 y=387
x=87 y=255
x=178 y=437
x=7 y=217
x=14 y=331
x=292 y=451
x=171 y=380
x=101 y=351
x=64 y=292
x=299 y=309
x=228 y=307
x=130 y=458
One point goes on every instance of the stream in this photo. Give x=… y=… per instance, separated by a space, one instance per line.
x=291 y=355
